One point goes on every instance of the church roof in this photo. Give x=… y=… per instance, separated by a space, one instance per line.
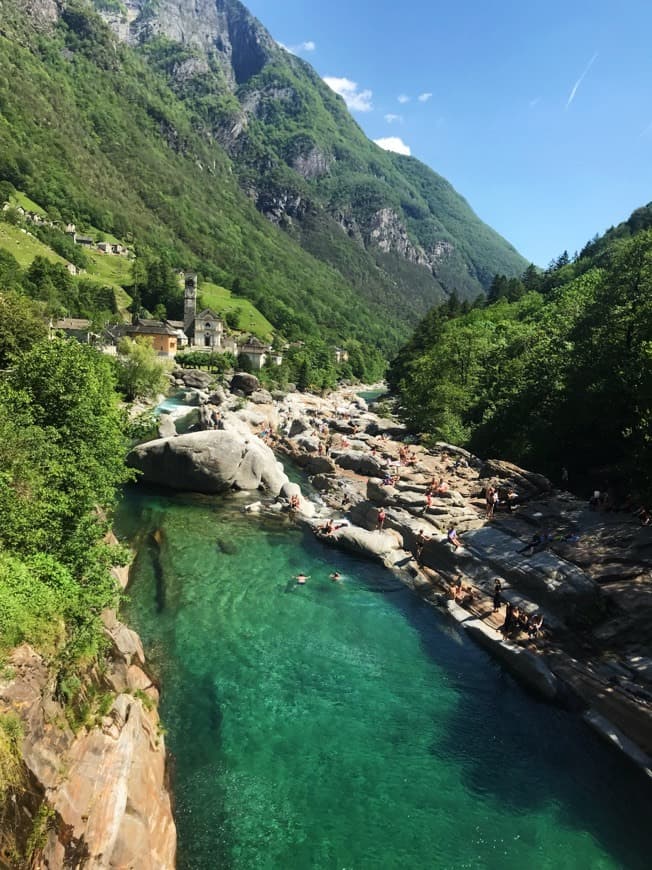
x=207 y=312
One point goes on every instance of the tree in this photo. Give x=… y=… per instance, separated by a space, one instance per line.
x=21 y=324
x=232 y=318
x=141 y=373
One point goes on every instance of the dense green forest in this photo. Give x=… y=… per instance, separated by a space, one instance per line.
x=555 y=371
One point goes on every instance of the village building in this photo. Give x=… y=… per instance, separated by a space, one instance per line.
x=162 y=337
x=177 y=326
x=341 y=355
x=105 y=247
x=258 y=353
x=73 y=327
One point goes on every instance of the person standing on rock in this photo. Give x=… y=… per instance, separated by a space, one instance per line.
x=497 y=596
x=380 y=519
x=422 y=540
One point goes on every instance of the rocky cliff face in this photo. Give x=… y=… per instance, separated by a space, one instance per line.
x=222 y=27
x=298 y=152
x=102 y=791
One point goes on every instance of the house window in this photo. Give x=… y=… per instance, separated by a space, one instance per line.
x=207 y=325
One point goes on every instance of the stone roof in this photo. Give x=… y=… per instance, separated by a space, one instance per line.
x=255 y=344
x=150 y=327
x=175 y=324
x=72 y=323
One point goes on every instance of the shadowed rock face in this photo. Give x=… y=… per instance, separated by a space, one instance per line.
x=209 y=462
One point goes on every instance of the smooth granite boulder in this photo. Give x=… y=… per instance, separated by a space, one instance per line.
x=360 y=462
x=261 y=397
x=244 y=382
x=374 y=545
x=194 y=378
x=209 y=462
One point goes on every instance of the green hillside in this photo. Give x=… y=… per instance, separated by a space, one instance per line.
x=120 y=140
x=24 y=247
x=223 y=302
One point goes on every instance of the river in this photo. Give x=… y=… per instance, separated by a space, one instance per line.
x=348 y=725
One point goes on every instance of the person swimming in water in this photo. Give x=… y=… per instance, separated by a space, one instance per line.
x=335 y=575
x=301 y=579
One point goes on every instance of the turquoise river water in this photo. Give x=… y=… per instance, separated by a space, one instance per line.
x=348 y=725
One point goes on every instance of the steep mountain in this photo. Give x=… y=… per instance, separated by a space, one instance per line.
x=186 y=127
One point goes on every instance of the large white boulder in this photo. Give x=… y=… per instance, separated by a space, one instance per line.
x=210 y=462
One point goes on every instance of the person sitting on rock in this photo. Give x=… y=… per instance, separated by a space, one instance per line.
x=294 y=503
x=456 y=588
x=328 y=528
x=534 y=625
x=453 y=537
x=442 y=487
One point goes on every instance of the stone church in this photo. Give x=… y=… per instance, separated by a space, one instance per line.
x=206 y=329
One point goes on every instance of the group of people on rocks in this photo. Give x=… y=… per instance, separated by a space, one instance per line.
x=496 y=497
x=605 y=501
x=516 y=619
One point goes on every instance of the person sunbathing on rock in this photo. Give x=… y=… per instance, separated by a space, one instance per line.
x=537 y=542
x=453 y=537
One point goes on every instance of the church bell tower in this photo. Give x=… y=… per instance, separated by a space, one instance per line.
x=189 y=302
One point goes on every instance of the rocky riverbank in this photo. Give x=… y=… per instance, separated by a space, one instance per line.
x=96 y=796
x=590 y=578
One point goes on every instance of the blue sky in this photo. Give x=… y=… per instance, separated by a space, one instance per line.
x=540 y=113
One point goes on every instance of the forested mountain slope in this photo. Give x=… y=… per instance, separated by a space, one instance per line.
x=193 y=133
x=555 y=372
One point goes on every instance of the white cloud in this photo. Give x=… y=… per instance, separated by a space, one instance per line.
x=403 y=98
x=581 y=79
x=534 y=103
x=423 y=98
x=306 y=46
x=394 y=143
x=357 y=101
x=394 y=119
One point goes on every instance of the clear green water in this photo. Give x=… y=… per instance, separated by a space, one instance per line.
x=372 y=395
x=350 y=726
